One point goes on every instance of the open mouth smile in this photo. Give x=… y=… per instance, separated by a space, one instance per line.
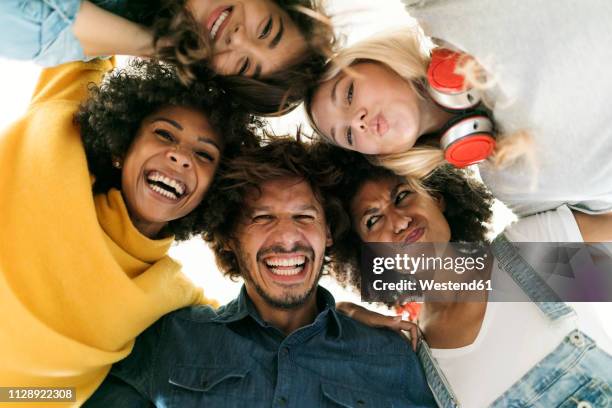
x=165 y=186
x=286 y=269
x=218 y=21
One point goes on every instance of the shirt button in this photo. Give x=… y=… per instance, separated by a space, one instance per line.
x=282 y=401
x=577 y=339
x=584 y=404
x=284 y=352
x=361 y=403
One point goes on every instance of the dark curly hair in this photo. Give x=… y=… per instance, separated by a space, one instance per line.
x=110 y=118
x=468 y=202
x=178 y=39
x=280 y=158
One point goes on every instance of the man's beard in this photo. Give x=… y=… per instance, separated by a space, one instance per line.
x=289 y=300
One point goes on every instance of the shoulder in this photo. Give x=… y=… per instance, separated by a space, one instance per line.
x=199 y=313
x=557 y=225
x=188 y=319
x=372 y=339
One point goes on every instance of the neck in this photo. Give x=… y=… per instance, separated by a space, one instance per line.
x=448 y=300
x=286 y=320
x=148 y=229
x=454 y=319
x=433 y=117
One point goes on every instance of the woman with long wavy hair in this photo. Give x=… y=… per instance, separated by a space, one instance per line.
x=545 y=113
x=267 y=50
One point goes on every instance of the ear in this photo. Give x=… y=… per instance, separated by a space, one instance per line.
x=117 y=162
x=229 y=245
x=329 y=241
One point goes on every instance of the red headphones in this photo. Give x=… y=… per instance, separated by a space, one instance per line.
x=469 y=138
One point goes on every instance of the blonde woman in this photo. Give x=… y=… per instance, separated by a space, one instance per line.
x=373 y=99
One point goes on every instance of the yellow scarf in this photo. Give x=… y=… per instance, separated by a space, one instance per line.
x=78 y=282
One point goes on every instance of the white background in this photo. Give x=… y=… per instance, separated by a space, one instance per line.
x=354 y=18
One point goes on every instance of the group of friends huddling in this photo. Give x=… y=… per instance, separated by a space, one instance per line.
x=109 y=166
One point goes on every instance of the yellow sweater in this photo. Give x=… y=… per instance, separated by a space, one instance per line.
x=78 y=282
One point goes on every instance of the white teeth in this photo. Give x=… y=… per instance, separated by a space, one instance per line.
x=163 y=192
x=286 y=272
x=297 y=260
x=286 y=266
x=160 y=178
x=220 y=20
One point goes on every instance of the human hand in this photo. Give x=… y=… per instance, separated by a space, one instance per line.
x=374 y=319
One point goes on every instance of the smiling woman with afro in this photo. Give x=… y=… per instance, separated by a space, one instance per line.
x=95 y=182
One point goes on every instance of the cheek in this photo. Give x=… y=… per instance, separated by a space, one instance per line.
x=442 y=229
x=205 y=176
x=129 y=173
x=220 y=63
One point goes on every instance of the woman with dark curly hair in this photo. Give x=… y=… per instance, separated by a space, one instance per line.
x=92 y=198
x=465 y=203
x=278 y=44
x=483 y=353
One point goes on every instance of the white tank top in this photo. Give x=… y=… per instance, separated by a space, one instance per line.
x=515 y=336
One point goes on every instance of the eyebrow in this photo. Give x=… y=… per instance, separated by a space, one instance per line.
x=394 y=190
x=305 y=207
x=333 y=98
x=257 y=72
x=279 y=36
x=392 y=194
x=174 y=123
x=207 y=140
x=170 y=121
x=308 y=207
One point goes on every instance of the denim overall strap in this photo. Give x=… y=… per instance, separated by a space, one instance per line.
x=527 y=279
x=440 y=388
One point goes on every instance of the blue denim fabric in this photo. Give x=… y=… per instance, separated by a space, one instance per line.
x=41 y=30
x=576 y=374
x=232 y=358
x=441 y=389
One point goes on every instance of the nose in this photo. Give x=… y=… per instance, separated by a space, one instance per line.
x=359 y=120
x=399 y=222
x=180 y=158
x=237 y=36
x=287 y=234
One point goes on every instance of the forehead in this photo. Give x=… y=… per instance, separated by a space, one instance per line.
x=185 y=116
x=283 y=193
x=322 y=108
x=373 y=191
x=184 y=119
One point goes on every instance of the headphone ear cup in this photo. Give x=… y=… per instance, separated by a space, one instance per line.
x=468 y=139
x=445 y=86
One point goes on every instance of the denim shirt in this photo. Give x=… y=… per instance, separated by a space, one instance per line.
x=232 y=358
x=41 y=30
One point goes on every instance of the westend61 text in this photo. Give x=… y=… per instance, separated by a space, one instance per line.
x=429 y=285
x=412 y=264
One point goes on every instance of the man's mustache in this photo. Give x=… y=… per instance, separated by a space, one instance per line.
x=277 y=249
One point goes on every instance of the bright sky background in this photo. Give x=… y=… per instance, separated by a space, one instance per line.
x=356 y=19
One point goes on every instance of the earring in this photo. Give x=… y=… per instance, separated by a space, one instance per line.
x=117 y=163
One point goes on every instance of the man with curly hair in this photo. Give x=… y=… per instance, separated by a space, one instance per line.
x=92 y=197
x=281 y=342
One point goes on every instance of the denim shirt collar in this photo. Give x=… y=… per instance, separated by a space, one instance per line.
x=242 y=307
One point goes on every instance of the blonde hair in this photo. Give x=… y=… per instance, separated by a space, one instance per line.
x=407 y=52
